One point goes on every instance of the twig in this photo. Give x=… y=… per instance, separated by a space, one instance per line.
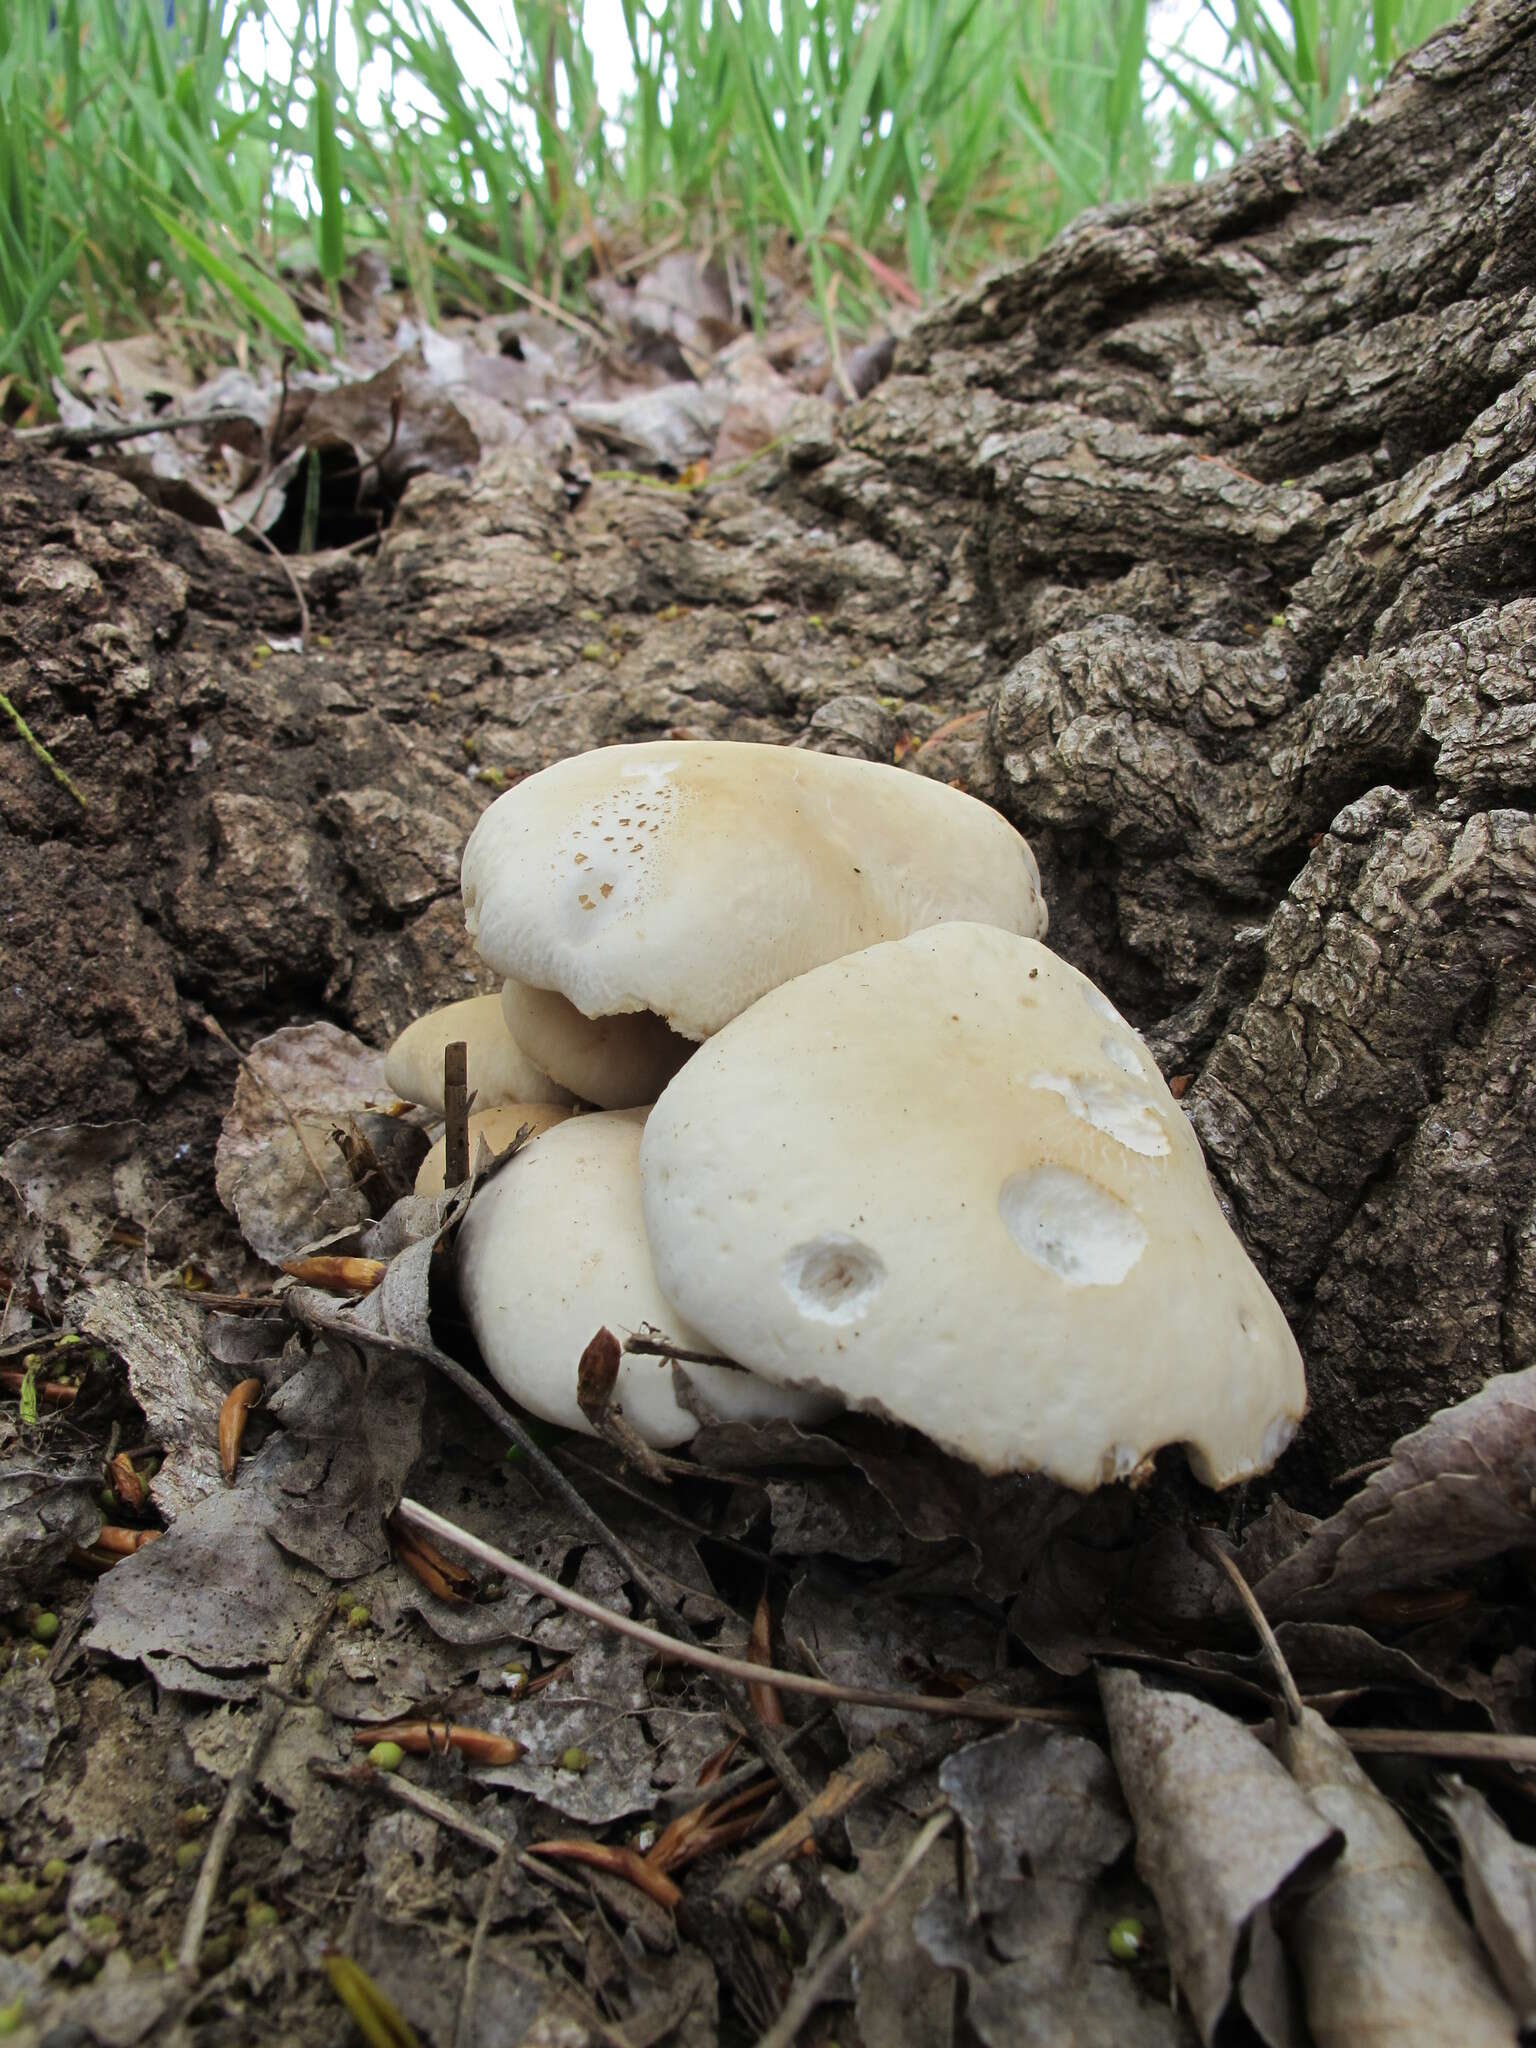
x=455 y=1114
x=965 y=1708
x=49 y=438
x=763 y=1739
x=469 y=1995
x=808 y=1994
x=30 y=739
x=646 y=1344
x=683 y=1798
x=216 y=1030
x=1456 y=1745
x=286 y=566
x=1209 y=1548
x=240 y=1786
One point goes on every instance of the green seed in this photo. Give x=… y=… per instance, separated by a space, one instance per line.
x=46 y=1925
x=242 y=1895
x=386 y=1756
x=259 y=1915
x=191 y=1818
x=1126 y=1940
x=12 y=2017
x=101 y=1927
x=189 y=1855
x=217 y=1955
x=33 y=1653
x=45 y=1628
x=574 y=1759
x=55 y=1870
x=18 y=1892
x=359 y=1617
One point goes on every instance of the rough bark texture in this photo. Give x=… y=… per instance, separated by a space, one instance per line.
x=1205 y=547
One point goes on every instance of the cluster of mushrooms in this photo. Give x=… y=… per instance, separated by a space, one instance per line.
x=810 y=1095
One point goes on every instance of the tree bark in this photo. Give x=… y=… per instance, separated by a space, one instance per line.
x=1204 y=546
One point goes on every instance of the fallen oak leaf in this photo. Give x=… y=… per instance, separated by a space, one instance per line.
x=618 y=1861
x=436 y=1738
x=1384 y=1955
x=233 y=1416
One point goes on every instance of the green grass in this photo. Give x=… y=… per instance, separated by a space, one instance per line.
x=880 y=150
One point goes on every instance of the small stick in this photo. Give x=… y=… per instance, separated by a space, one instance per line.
x=456 y=1114
x=808 y=1994
x=1456 y=1745
x=49 y=438
x=683 y=1798
x=216 y=1030
x=763 y=1739
x=646 y=1344
x=31 y=740
x=1209 y=1548
x=964 y=1708
x=469 y=1996
x=240 y=1787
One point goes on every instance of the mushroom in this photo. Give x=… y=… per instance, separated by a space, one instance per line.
x=616 y=1062
x=552 y=1250
x=499 y=1069
x=944 y=1180
x=498 y=1127
x=683 y=880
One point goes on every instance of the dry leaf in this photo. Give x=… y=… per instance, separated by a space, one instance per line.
x=1223 y=1836
x=1500 y=1878
x=1461 y=1489
x=1385 y=1955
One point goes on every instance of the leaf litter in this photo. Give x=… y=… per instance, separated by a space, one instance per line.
x=1097 y=1866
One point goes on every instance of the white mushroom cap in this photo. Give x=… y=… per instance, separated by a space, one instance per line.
x=616 y=1062
x=498 y=1127
x=689 y=878
x=499 y=1069
x=552 y=1250
x=944 y=1179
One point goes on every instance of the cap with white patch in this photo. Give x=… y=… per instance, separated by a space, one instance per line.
x=991 y=1221
x=689 y=878
x=499 y=1069
x=552 y=1250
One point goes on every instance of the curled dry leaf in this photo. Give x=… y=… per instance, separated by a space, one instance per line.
x=1500 y=1878
x=1223 y=1837
x=126 y=1482
x=1457 y=1491
x=424 y=1561
x=766 y=1704
x=337 y=1275
x=233 y=1416
x=596 y=1374
x=116 y=1542
x=1384 y=1954
x=436 y=1738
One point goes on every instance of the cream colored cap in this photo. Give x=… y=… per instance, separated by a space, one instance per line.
x=498 y=1127
x=944 y=1180
x=616 y=1062
x=689 y=878
x=552 y=1250
x=499 y=1069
